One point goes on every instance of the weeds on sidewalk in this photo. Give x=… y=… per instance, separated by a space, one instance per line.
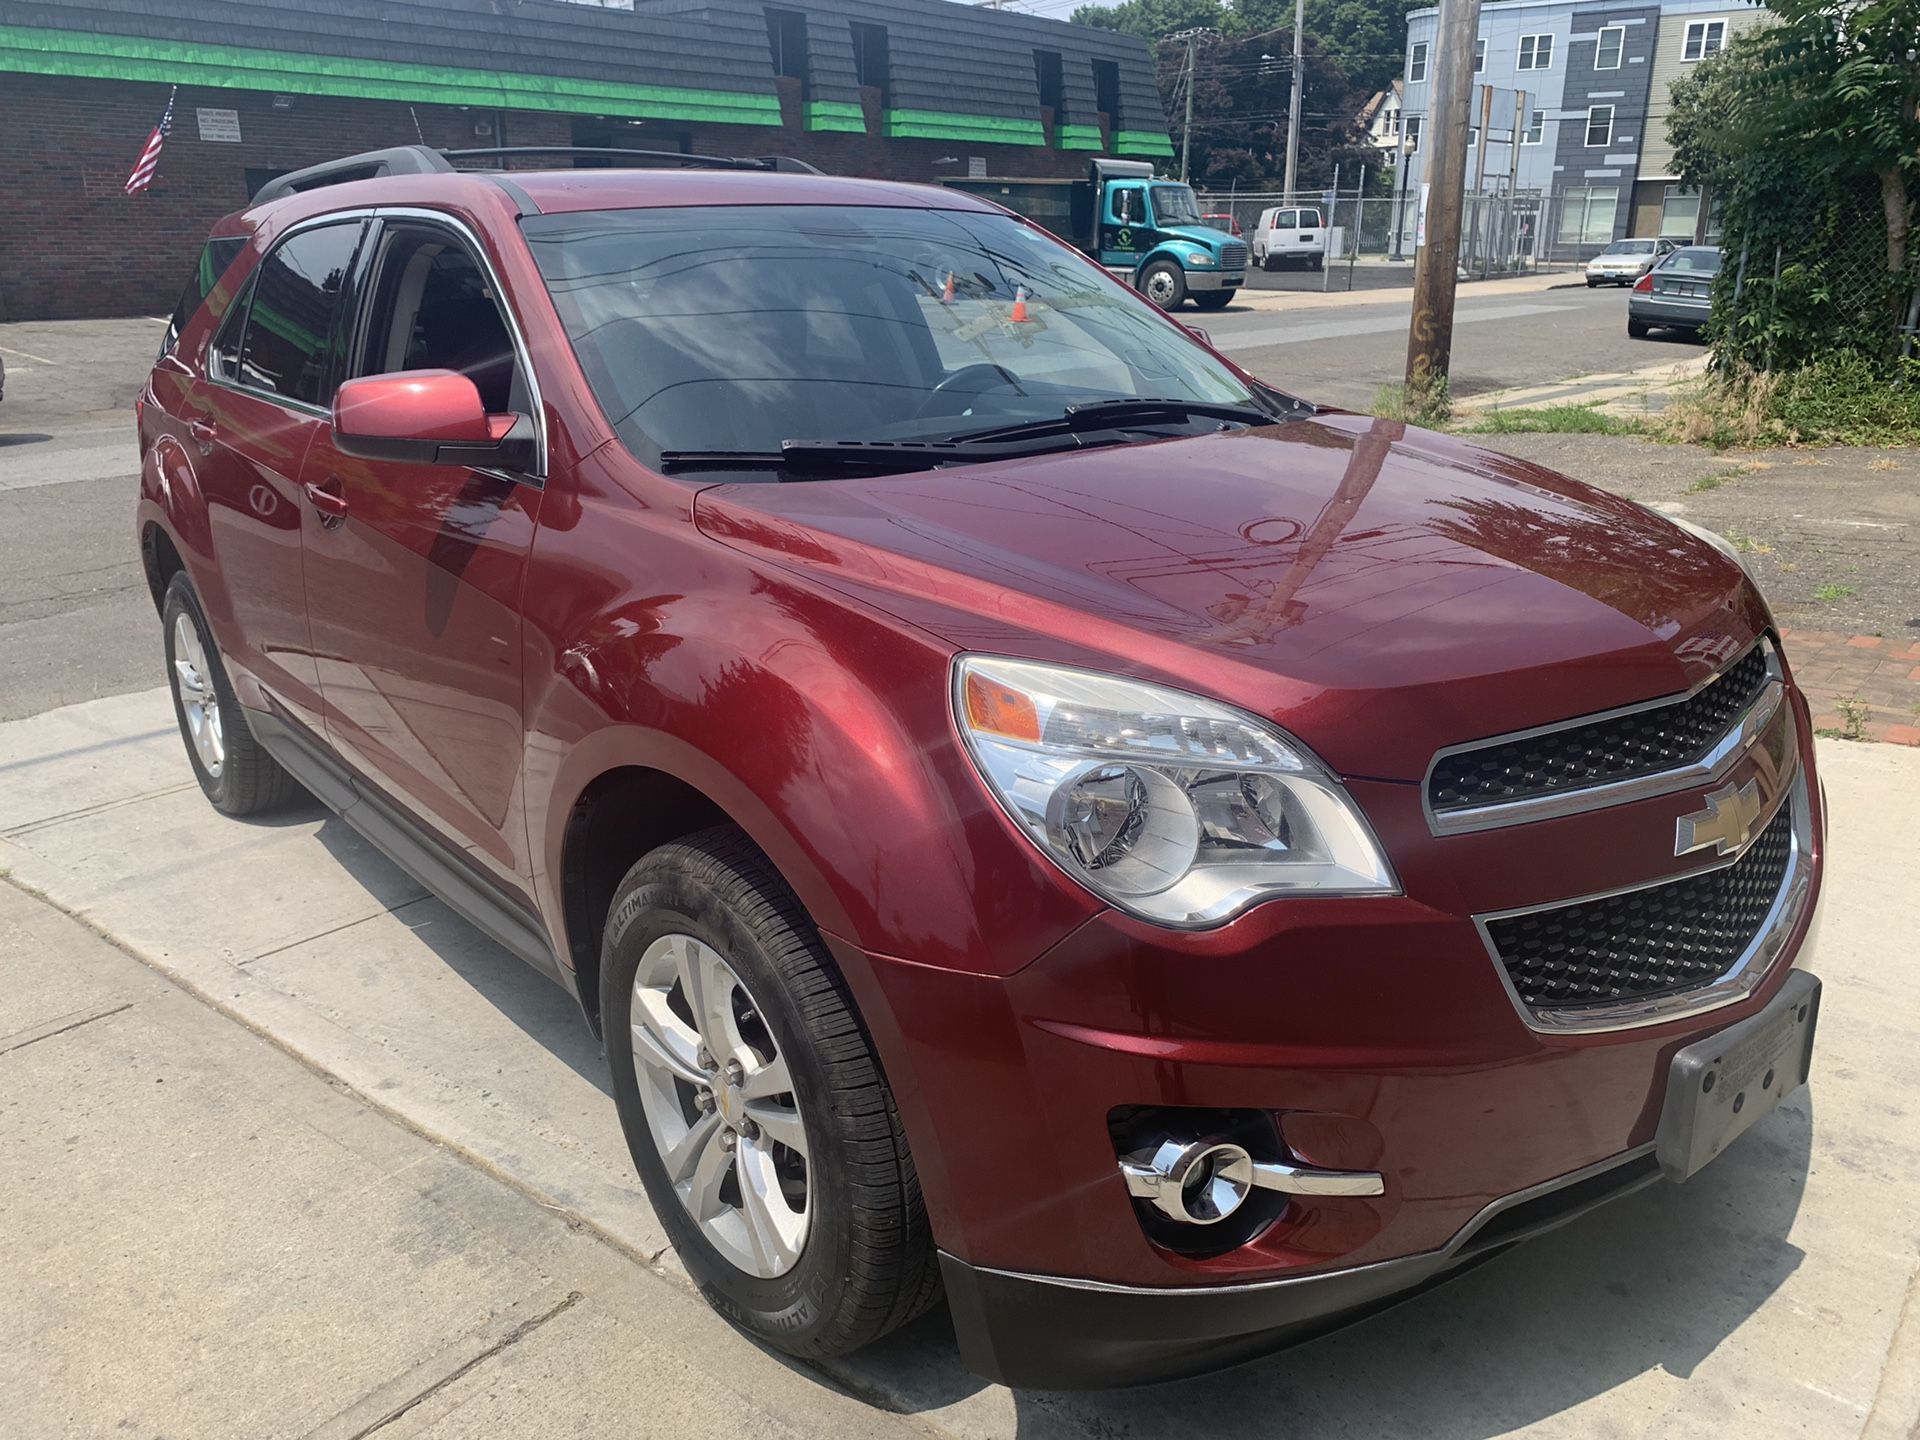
x=1854 y=714
x=1834 y=592
x=1430 y=404
x=1551 y=420
x=1843 y=400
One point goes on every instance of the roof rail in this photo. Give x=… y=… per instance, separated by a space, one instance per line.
x=425 y=160
x=671 y=157
x=400 y=160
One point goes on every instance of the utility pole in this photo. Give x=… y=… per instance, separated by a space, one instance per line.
x=1293 y=105
x=1435 y=266
x=1192 y=37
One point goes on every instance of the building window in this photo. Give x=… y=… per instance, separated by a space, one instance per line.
x=1473 y=137
x=1416 y=62
x=1480 y=57
x=787 y=40
x=1536 y=129
x=1536 y=52
x=870 y=57
x=1679 y=212
x=1613 y=41
x=1106 y=90
x=1047 y=73
x=1704 y=38
x=1414 y=125
x=1599 y=126
x=1587 y=216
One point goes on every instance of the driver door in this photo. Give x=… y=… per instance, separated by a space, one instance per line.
x=413 y=571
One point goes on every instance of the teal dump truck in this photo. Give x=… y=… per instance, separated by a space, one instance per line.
x=1139 y=225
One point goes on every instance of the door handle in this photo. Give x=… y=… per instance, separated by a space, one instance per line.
x=329 y=501
x=203 y=432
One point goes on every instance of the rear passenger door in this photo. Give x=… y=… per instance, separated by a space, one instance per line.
x=413 y=589
x=252 y=415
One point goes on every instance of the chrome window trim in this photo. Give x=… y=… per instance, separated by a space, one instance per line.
x=1734 y=984
x=1740 y=735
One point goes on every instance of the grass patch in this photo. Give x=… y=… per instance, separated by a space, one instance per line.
x=1833 y=592
x=1843 y=400
x=1748 y=544
x=1551 y=420
x=1709 y=482
x=1430 y=404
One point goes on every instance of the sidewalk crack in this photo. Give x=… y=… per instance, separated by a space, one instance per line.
x=67 y=1029
x=511 y=1338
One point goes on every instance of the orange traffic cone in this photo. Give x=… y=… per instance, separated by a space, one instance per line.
x=946 y=295
x=1019 y=304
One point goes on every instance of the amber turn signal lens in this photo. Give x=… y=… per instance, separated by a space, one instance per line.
x=999 y=709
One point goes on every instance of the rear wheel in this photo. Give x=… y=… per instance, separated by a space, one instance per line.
x=235 y=774
x=1637 y=329
x=1215 y=299
x=1269 y=263
x=753 y=1105
x=1163 y=284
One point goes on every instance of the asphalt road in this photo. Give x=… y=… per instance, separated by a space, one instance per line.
x=75 y=619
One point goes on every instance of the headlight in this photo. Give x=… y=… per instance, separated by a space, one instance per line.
x=1199 y=257
x=1170 y=806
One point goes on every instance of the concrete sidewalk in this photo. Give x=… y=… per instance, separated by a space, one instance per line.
x=249 y=1248
x=1336 y=297
x=1626 y=393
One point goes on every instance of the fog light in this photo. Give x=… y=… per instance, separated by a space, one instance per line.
x=1197 y=1182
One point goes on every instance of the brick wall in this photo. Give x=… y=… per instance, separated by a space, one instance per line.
x=73 y=245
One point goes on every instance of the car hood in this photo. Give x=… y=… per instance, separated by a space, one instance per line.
x=1379 y=591
x=1204 y=236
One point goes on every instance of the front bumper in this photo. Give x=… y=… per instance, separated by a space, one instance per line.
x=1620 y=276
x=1215 y=279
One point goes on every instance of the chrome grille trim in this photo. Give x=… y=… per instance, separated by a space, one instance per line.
x=1733 y=985
x=1752 y=724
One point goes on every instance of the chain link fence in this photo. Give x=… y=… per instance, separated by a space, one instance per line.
x=1502 y=232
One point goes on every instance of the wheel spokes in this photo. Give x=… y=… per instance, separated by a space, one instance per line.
x=774 y=1230
x=781 y=1123
x=661 y=1040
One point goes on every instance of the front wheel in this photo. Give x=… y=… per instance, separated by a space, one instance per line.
x=1215 y=299
x=1163 y=283
x=754 y=1108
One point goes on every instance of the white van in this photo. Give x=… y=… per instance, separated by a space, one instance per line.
x=1286 y=234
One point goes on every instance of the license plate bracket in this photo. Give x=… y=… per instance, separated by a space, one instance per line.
x=1719 y=1087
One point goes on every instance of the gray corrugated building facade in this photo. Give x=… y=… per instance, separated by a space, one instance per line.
x=905 y=89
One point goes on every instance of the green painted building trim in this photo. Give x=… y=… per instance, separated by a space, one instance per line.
x=1141 y=142
x=842 y=115
x=170 y=62
x=1076 y=137
x=945 y=125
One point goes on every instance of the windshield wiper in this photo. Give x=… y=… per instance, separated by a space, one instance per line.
x=872 y=457
x=1124 y=414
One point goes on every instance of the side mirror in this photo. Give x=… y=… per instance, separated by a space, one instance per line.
x=429 y=417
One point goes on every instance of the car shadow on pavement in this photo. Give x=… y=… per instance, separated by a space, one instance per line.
x=1656 y=1281
x=540 y=1009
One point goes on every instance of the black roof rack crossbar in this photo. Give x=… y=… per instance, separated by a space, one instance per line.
x=425 y=160
x=669 y=157
x=400 y=160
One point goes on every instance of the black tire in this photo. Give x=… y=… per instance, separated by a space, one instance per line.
x=1175 y=290
x=1637 y=329
x=1592 y=284
x=867 y=1264
x=1215 y=299
x=1316 y=263
x=1269 y=264
x=246 y=780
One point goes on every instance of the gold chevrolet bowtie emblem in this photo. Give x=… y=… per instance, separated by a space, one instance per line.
x=1725 y=824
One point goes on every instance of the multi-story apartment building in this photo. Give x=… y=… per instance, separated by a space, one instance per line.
x=1597 y=77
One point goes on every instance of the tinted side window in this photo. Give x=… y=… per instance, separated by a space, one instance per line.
x=433 y=309
x=215 y=256
x=293 y=323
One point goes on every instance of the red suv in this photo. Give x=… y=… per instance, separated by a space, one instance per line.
x=1031 y=810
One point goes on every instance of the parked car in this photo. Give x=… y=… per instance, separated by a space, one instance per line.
x=1625 y=261
x=1221 y=220
x=1032 y=811
x=1677 y=294
x=1288 y=234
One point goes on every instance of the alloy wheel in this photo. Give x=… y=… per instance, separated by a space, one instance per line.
x=1160 y=287
x=193 y=685
x=720 y=1105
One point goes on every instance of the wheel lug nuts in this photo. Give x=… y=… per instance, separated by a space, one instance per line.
x=704 y=1059
x=703 y=1101
x=734 y=1073
x=749 y=1130
x=728 y=1139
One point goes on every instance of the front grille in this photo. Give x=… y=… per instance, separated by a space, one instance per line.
x=1600 y=752
x=1233 y=256
x=1661 y=940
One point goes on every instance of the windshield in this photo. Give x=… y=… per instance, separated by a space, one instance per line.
x=1174 y=205
x=736 y=328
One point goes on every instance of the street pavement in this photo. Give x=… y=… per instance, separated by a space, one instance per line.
x=176 y=1192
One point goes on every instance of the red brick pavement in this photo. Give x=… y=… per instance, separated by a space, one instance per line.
x=1875 y=677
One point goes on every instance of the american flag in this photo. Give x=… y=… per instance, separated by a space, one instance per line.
x=149 y=161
